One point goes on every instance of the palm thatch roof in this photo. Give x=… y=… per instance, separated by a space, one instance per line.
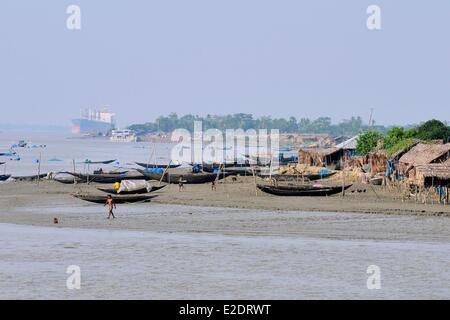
x=400 y=152
x=425 y=154
x=434 y=170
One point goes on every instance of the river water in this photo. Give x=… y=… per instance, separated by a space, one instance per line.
x=125 y=264
x=117 y=264
x=67 y=148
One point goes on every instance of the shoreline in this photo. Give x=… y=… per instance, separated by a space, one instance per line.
x=233 y=209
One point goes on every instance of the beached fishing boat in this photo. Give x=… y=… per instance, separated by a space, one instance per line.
x=211 y=167
x=68 y=179
x=137 y=191
x=106 y=177
x=376 y=181
x=30 y=178
x=4 y=177
x=2 y=163
x=186 y=177
x=7 y=154
x=131 y=198
x=153 y=166
x=87 y=161
x=303 y=191
x=299 y=177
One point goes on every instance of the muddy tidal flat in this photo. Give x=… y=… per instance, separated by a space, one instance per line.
x=224 y=244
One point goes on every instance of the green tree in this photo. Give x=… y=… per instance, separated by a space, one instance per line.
x=432 y=130
x=394 y=136
x=367 y=141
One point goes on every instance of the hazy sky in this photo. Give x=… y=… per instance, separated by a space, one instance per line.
x=266 y=57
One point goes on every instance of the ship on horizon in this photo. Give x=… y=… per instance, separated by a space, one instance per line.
x=94 y=122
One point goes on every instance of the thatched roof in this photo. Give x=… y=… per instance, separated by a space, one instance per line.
x=328 y=151
x=436 y=170
x=400 y=152
x=425 y=154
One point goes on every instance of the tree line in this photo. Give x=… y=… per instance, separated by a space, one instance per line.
x=166 y=124
x=399 y=138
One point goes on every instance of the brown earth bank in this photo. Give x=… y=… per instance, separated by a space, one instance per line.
x=360 y=198
x=235 y=208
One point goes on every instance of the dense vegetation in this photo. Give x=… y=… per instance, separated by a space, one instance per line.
x=245 y=121
x=398 y=138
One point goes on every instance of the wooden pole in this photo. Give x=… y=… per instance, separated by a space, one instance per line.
x=254 y=177
x=151 y=156
x=162 y=177
x=39 y=167
x=446 y=195
x=343 y=175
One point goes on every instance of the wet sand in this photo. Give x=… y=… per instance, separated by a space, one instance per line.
x=199 y=209
x=187 y=245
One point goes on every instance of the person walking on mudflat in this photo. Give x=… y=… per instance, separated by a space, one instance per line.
x=111 y=205
x=180 y=184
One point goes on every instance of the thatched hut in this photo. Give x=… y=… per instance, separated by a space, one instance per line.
x=423 y=154
x=427 y=175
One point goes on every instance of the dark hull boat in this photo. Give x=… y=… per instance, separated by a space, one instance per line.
x=97 y=162
x=105 y=177
x=137 y=191
x=68 y=180
x=217 y=166
x=4 y=177
x=295 y=177
x=303 y=191
x=2 y=163
x=187 y=177
x=30 y=178
x=117 y=198
x=153 y=166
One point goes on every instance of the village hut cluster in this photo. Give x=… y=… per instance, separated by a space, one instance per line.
x=421 y=171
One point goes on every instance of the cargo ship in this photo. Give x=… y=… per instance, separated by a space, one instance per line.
x=94 y=122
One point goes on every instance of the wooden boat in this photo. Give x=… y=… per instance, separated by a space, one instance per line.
x=105 y=177
x=69 y=180
x=210 y=167
x=109 y=172
x=153 y=166
x=97 y=162
x=304 y=191
x=187 y=177
x=30 y=178
x=4 y=177
x=299 y=177
x=137 y=191
x=243 y=171
x=2 y=163
x=132 y=198
x=377 y=181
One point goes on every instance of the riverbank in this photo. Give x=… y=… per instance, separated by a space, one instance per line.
x=200 y=209
x=242 y=194
x=185 y=246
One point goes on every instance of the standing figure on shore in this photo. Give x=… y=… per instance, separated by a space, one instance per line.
x=111 y=205
x=180 y=184
x=213 y=185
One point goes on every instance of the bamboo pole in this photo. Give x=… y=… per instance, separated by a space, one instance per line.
x=447 y=195
x=254 y=177
x=39 y=167
x=343 y=176
x=162 y=177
